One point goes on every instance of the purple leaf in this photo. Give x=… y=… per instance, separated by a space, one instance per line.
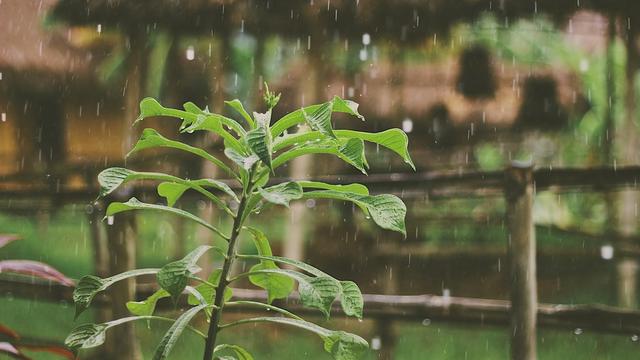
x=7 y=238
x=35 y=268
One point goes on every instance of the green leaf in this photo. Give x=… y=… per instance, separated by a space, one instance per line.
x=90 y=285
x=277 y=286
x=150 y=107
x=135 y=204
x=174 y=276
x=341 y=345
x=297 y=117
x=236 y=105
x=320 y=119
x=148 y=306
x=173 y=334
x=395 y=140
x=241 y=353
x=86 y=336
x=230 y=123
x=245 y=162
x=259 y=141
x=315 y=292
x=150 y=138
x=349 y=188
x=352 y=302
x=345 y=346
x=208 y=292
x=352 y=152
x=319 y=293
x=171 y=191
x=346 y=106
x=349 y=150
x=388 y=211
x=213 y=123
x=110 y=179
x=282 y=194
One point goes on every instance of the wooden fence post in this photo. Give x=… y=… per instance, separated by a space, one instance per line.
x=519 y=191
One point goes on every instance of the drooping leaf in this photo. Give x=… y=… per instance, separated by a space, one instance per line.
x=345 y=346
x=135 y=204
x=86 y=336
x=320 y=119
x=346 y=106
x=349 y=150
x=319 y=293
x=241 y=353
x=90 y=285
x=259 y=141
x=147 y=307
x=173 y=334
x=236 y=105
x=282 y=194
x=341 y=345
x=35 y=269
x=352 y=301
x=150 y=138
x=315 y=292
x=387 y=211
x=174 y=276
x=395 y=140
x=277 y=286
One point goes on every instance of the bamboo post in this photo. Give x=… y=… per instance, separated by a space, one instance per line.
x=519 y=191
x=627 y=146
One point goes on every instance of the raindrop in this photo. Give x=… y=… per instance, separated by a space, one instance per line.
x=3 y=117
x=606 y=252
x=407 y=125
x=311 y=203
x=376 y=343
x=578 y=331
x=426 y=322
x=109 y=220
x=99 y=28
x=0 y=75
x=635 y=338
x=366 y=39
x=363 y=54
x=190 y=53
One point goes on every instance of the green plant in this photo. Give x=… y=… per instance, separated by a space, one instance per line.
x=254 y=150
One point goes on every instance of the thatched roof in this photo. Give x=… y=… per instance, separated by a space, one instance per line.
x=31 y=53
x=404 y=20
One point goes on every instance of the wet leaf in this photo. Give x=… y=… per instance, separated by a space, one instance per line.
x=173 y=334
x=240 y=353
x=282 y=194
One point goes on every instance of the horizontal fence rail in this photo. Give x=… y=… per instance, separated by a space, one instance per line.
x=597 y=318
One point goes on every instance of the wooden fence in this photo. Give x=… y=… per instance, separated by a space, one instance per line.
x=518 y=184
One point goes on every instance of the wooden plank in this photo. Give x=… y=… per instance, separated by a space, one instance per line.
x=519 y=191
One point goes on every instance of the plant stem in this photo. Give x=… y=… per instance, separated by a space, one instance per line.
x=226 y=267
